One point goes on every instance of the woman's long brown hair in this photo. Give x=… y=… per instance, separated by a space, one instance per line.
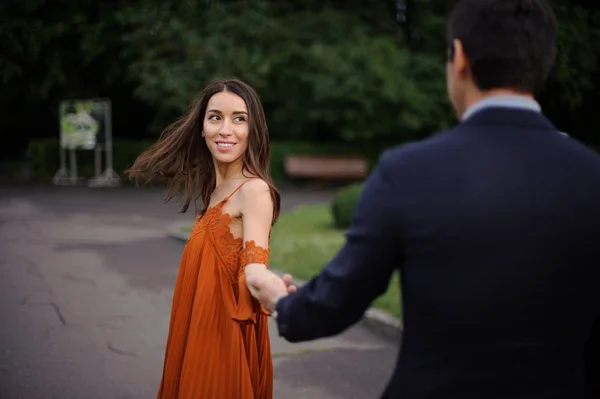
x=181 y=158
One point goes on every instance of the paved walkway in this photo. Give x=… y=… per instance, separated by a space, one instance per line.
x=86 y=278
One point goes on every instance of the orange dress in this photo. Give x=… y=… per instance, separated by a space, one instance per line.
x=218 y=345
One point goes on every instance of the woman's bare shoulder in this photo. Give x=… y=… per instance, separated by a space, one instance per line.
x=255 y=193
x=255 y=185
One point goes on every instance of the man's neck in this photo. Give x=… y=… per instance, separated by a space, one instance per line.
x=477 y=97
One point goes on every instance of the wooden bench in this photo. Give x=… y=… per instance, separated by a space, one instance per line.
x=327 y=167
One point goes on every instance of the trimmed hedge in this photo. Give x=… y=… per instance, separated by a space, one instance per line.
x=344 y=203
x=44 y=156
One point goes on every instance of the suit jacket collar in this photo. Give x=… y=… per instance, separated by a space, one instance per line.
x=503 y=116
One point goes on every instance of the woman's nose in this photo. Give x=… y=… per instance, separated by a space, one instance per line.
x=225 y=128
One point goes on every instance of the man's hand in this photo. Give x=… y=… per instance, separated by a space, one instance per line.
x=267 y=287
x=287 y=280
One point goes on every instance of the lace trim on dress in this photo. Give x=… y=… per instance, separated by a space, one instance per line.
x=252 y=253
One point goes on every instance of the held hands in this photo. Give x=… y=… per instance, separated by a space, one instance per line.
x=267 y=287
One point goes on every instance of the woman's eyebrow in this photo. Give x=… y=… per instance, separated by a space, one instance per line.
x=234 y=112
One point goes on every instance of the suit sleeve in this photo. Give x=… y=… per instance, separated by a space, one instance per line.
x=358 y=274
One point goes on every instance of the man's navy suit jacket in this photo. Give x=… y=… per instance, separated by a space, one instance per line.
x=494 y=226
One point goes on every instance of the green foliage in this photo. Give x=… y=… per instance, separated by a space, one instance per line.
x=46 y=47
x=330 y=69
x=43 y=155
x=327 y=73
x=344 y=203
x=578 y=53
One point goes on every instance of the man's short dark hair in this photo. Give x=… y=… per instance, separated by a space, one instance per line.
x=510 y=44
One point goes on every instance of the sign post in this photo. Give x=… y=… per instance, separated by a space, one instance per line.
x=86 y=125
x=109 y=178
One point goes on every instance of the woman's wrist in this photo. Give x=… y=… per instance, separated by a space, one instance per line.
x=254 y=268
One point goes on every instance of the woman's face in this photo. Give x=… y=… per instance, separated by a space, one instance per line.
x=225 y=127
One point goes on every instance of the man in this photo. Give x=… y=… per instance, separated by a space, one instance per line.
x=493 y=224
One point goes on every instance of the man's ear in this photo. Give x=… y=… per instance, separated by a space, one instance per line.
x=459 y=60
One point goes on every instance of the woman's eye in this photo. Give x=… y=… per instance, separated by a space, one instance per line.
x=213 y=117
x=240 y=119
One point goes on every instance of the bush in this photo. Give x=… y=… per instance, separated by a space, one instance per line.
x=344 y=203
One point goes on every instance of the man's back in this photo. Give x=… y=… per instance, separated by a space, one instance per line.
x=498 y=219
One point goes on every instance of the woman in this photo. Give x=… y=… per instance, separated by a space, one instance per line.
x=218 y=345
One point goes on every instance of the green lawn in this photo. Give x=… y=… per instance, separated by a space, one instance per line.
x=304 y=240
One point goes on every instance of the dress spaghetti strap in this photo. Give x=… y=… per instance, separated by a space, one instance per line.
x=235 y=191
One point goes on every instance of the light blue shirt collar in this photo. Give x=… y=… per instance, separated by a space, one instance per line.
x=505 y=101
